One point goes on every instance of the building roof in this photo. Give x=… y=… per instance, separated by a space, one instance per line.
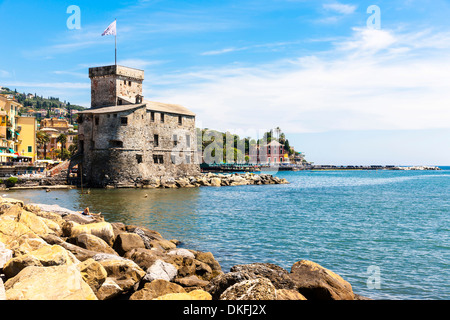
x=150 y=105
x=167 y=107
x=112 y=109
x=274 y=143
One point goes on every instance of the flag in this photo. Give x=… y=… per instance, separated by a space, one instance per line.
x=111 y=30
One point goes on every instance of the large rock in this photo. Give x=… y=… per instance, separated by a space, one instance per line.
x=161 y=270
x=108 y=290
x=278 y=276
x=145 y=258
x=318 y=283
x=49 y=283
x=189 y=267
x=255 y=289
x=222 y=282
x=93 y=273
x=181 y=252
x=208 y=258
x=127 y=241
x=11 y=230
x=155 y=289
x=45 y=256
x=92 y=243
x=124 y=272
x=103 y=230
x=285 y=294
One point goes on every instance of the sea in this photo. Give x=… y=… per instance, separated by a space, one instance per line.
x=385 y=232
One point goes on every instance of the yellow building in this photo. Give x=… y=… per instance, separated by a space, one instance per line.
x=17 y=134
x=26 y=131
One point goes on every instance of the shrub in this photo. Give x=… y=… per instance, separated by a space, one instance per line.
x=11 y=182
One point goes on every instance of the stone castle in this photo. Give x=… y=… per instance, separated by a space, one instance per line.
x=126 y=140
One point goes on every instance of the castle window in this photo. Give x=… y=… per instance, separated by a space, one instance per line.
x=175 y=140
x=180 y=120
x=188 y=158
x=188 y=141
x=129 y=83
x=158 y=158
x=96 y=121
x=123 y=121
x=139 y=158
x=152 y=116
x=162 y=117
x=115 y=144
x=156 y=140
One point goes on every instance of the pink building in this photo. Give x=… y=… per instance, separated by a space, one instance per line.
x=271 y=153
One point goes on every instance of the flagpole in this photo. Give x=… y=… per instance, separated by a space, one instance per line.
x=115 y=43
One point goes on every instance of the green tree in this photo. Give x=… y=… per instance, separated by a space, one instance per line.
x=42 y=139
x=62 y=138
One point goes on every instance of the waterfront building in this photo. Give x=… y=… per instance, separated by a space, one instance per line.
x=125 y=139
x=17 y=133
x=26 y=137
x=270 y=153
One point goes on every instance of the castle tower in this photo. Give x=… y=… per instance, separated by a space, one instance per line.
x=115 y=85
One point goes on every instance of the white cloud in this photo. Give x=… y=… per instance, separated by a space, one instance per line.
x=372 y=81
x=340 y=8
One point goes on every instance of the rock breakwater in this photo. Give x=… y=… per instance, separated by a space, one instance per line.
x=60 y=254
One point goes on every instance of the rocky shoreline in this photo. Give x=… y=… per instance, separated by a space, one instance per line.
x=51 y=253
x=204 y=180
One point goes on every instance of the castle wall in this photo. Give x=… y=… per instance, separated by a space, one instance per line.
x=119 y=151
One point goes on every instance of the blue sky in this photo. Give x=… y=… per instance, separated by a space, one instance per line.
x=343 y=93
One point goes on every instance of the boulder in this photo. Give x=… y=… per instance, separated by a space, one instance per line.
x=161 y=270
x=127 y=241
x=188 y=267
x=45 y=256
x=155 y=289
x=193 y=295
x=80 y=253
x=124 y=272
x=93 y=243
x=144 y=258
x=191 y=281
x=103 y=230
x=11 y=230
x=25 y=244
x=216 y=182
x=318 y=283
x=222 y=282
x=182 y=253
x=255 y=289
x=93 y=273
x=108 y=290
x=208 y=258
x=278 y=276
x=285 y=294
x=49 y=283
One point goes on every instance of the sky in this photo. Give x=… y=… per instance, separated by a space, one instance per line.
x=345 y=91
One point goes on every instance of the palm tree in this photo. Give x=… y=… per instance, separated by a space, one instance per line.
x=62 y=138
x=42 y=139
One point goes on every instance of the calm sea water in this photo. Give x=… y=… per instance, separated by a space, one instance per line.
x=347 y=221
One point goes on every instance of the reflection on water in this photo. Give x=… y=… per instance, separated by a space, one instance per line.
x=172 y=213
